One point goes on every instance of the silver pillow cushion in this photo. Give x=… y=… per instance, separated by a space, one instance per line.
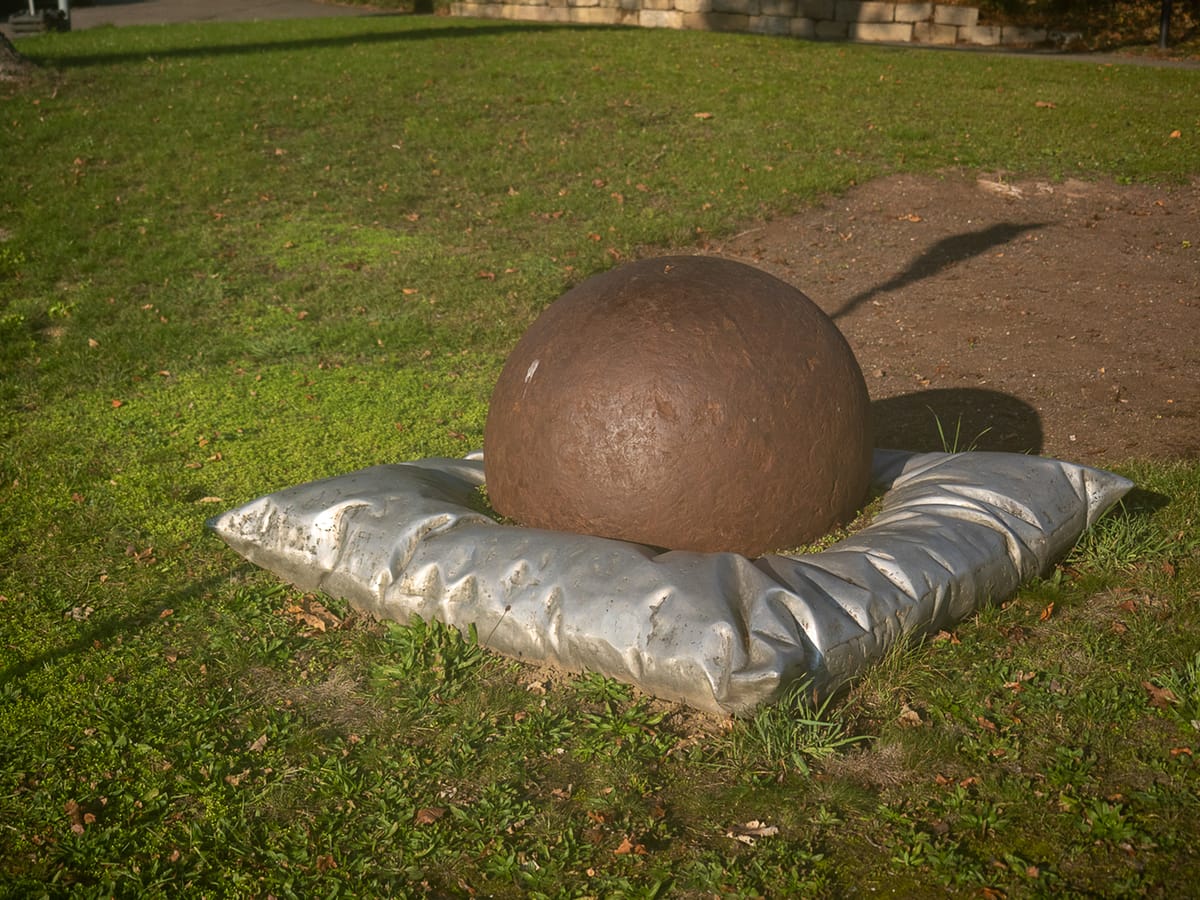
x=718 y=631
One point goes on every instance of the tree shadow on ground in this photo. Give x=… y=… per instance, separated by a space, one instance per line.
x=104 y=631
x=451 y=29
x=942 y=255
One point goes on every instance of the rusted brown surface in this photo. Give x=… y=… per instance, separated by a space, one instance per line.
x=685 y=402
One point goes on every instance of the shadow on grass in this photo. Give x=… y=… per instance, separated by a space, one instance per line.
x=104 y=632
x=1143 y=502
x=67 y=61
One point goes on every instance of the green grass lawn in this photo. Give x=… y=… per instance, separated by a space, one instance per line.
x=239 y=257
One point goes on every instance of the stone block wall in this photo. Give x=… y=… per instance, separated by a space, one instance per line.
x=855 y=20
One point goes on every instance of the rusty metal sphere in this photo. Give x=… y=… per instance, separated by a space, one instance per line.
x=686 y=402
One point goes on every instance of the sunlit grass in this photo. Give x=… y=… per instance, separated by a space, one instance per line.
x=239 y=257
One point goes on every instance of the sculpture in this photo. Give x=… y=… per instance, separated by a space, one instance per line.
x=686 y=402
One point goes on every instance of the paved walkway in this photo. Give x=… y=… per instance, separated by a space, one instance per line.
x=167 y=12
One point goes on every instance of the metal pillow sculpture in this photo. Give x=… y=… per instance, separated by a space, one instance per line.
x=629 y=474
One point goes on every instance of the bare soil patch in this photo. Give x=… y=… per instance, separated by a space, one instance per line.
x=1028 y=316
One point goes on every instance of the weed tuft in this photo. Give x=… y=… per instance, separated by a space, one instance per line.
x=787 y=737
x=956 y=442
x=1125 y=538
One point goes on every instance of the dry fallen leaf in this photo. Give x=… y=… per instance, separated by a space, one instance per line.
x=751 y=831
x=318 y=609
x=259 y=745
x=1176 y=133
x=427 y=815
x=1160 y=697
x=703 y=115
x=909 y=717
x=1044 y=104
x=313 y=614
x=630 y=847
x=301 y=615
x=999 y=187
x=75 y=813
x=143 y=557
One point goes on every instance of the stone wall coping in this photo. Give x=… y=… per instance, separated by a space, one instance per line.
x=889 y=21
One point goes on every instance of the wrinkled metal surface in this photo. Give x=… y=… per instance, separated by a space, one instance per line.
x=718 y=631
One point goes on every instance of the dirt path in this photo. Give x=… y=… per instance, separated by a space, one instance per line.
x=1061 y=319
